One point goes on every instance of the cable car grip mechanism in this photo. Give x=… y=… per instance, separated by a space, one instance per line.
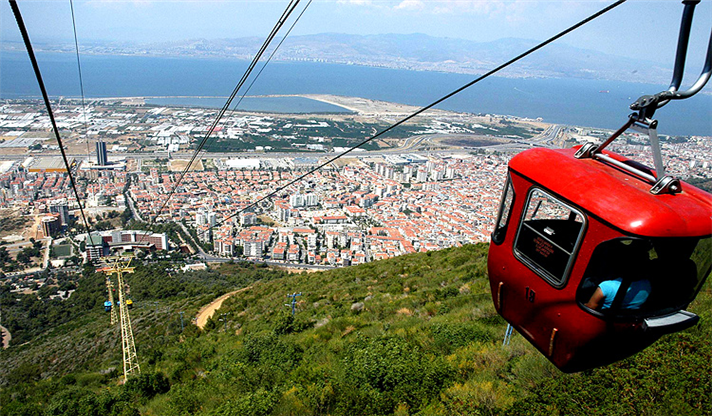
x=661 y=183
x=645 y=107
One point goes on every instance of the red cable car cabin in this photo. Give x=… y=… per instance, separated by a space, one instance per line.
x=568 y=229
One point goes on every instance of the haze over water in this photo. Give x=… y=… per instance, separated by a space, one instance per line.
x=591 y=103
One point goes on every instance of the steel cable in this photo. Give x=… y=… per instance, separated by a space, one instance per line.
x=249 y=87
x=38 y=74
x=429 y=106
x=285 y=15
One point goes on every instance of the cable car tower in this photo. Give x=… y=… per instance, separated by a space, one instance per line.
x=112 y=304
x=119 y=266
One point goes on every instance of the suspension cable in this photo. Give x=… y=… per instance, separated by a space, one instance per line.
x=249 y=87
x=81 y=81
x=35 y=66
x=427 y=107
x=285 y=15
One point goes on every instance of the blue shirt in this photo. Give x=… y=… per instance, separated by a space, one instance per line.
x=634 y=298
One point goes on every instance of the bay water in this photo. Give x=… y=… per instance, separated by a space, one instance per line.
x=592 y=103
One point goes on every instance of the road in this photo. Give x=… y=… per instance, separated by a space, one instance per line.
x=214 y=259
x=208 y=310
x=134 y=211
x=6 y=337
x=223 y=155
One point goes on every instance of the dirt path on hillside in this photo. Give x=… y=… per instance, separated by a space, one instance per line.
x=6 y=337
x=208 y=310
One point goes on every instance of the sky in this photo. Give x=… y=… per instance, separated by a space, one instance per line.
x=637 y=29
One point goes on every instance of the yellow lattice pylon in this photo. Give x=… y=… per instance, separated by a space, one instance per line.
x=119 y=266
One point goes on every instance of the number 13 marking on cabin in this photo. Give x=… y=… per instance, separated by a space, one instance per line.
x=530 y=294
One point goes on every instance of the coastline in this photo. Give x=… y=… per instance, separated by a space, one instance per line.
x=356 y=105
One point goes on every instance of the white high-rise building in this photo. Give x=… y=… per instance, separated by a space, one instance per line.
x=201 y=218
x=450 y=173
x=212 y=219
x=311 y=200
x=422 y=175
x=297 y=201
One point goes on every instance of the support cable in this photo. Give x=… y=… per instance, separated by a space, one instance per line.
x=285 y=15
x=427 y=107
x=81 y=81
x=249 y=87
x=35 y=66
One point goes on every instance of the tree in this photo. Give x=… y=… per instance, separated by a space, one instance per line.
x=4 y=256
x=210 y=324
x=148 y=385
x=23 y=257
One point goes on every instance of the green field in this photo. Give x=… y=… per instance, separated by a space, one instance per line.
x=413 y=335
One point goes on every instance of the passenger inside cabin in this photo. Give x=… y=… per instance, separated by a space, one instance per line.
x=636 y=294
x=633 y=267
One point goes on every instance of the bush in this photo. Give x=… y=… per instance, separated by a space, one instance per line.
x=449 y=336
x=259 y=403
x=148 y=385
x=381 y=373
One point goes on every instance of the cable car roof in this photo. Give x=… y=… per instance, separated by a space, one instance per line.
x=616 y=197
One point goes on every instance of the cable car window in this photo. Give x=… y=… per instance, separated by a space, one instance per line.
x=505 y=208
x=660 y=275
x=548 y=236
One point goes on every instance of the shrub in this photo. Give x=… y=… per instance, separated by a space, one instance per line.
x=449 y=336
x=381 y=373
x=259 y=403
x=148 y=385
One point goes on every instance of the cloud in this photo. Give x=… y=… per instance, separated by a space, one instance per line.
x=101 y=4
x=410 y=5
x=356 y=2
x=485 y=7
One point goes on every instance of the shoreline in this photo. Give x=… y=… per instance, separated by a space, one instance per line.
x=353 y=105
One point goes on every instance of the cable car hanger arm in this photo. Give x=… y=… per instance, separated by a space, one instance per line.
x=647 y=104
x=645 y=107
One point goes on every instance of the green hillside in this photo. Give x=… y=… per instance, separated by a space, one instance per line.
x=411 y=335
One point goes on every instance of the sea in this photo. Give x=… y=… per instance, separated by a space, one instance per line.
x=192 y=81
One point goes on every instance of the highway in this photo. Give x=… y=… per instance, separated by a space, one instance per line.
x=251 y=155
x=411 y=144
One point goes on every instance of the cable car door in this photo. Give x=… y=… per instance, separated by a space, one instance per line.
x=531 y=259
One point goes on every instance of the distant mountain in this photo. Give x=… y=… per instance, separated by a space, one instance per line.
x=406 y=51
x=428 y=53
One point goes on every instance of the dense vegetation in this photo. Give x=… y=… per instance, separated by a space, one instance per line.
x=10 y=222
x=29 y=315
x=23 y=258
x=702 y=183
x=411 y=335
